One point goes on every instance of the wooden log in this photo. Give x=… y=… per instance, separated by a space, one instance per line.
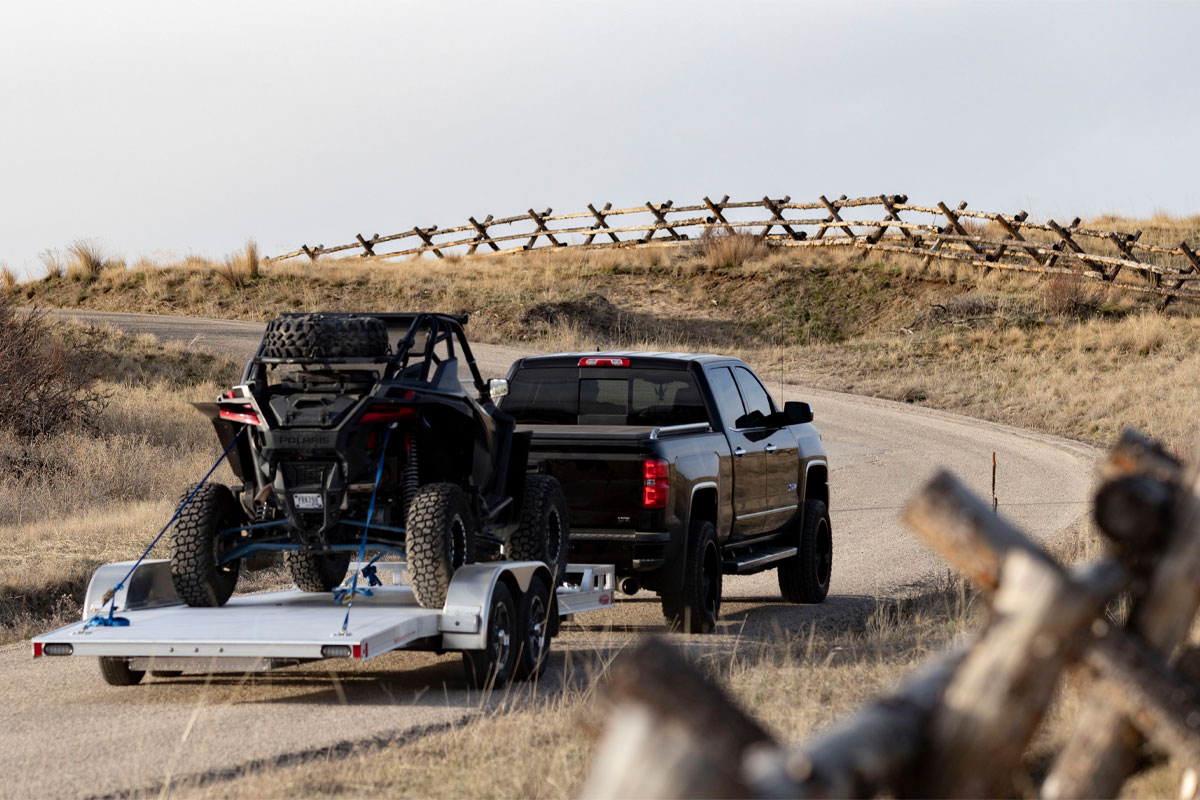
x=659 y=215
x=1100 y=753
x=426 y=236
x=717 y=212
x=775 y=207
x=367 y=246
x=877 y=751
x=482 y=238
x=677 y=734
x=958 y=228
x=996 y=700
x=600 y=223
x=834 y=216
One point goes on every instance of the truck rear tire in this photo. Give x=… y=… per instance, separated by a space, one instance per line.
x=544 y=527
x=493 y=666
x=439 y=538
x=116 y=672
x=195 y=546
x=804 y=578
x=696 y=607
x=321 y=336
x=316 y=572
x=536 y=630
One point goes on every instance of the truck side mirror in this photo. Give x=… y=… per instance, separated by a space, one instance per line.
x=497 y=388
x=798 y=413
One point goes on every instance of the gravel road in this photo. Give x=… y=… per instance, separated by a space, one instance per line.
x=66 y=733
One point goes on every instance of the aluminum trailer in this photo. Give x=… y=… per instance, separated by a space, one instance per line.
x=498 y=614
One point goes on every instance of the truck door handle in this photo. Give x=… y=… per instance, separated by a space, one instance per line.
x=739 y=452
x=770 y=448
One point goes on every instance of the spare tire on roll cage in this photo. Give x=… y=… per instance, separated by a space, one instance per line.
x=325 y=336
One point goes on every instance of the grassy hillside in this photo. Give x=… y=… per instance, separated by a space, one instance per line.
x=1063 y=356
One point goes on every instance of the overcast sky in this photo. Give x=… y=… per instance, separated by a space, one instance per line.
x=176 y=127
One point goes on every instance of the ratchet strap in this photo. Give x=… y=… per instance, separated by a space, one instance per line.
x=341 y=595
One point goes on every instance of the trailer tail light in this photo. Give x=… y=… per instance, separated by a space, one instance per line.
x=244 y=414
x=388 y=413
x=360 y=651
x=37 y=649
x=58 y=649
x=603 y=361
x=335 y=651
x=656 y=483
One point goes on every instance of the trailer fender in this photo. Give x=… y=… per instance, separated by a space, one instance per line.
x=469 y=599
x=149 y=586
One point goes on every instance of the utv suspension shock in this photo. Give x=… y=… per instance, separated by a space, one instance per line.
x=412 y=480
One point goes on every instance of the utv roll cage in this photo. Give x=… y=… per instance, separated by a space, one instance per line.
x=414 y=355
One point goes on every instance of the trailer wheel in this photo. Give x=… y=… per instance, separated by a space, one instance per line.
x=804 y=578
x=696 y=607
x=316 y=572
x=196 y=548
x=439 y=538
x=536 y=629
x=493 y=666
x=544 y=527
x=321 y=336
x=116 y=672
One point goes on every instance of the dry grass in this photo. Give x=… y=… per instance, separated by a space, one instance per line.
x=237 y=269
x=8 y=278
x=86 y=259
x=52 y=264
x=823 y=673
x=728 y=247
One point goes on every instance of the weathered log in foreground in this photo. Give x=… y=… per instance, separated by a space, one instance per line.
x=962 y=726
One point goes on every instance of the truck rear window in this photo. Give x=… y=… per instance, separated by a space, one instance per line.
x=571 y=396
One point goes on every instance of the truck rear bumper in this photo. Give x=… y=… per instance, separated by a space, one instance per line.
x=629 y=550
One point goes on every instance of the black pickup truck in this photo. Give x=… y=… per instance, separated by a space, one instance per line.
x=679 y=468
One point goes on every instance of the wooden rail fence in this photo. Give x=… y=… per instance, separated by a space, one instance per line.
x=961 y=727
x=985 y=240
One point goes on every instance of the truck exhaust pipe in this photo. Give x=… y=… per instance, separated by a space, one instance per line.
x=630 y=585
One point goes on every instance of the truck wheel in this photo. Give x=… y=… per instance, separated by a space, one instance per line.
x=439 y=538
x=116 y=672
x=542 y=533
x=493 y=666
x=804 y=578
x=195 y=547
x=695 y=609
x=533 y=621
x=316 y=572
x=321 y=336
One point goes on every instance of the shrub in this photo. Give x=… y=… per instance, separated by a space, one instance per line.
x=46 y=382
x=87 y=259
x=725 y=247
x=239 y=268
x=1067 y=294
x=54 y=267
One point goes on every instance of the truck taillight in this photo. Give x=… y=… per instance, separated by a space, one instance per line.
x=656 y=483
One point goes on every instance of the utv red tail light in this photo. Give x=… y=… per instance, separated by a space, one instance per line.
x=603 y=361
x=388 y=413
x=244 y=414
x=656 y=483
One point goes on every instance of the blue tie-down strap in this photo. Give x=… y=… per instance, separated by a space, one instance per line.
x=106 y=621
x=344 y=594
x=371 y=574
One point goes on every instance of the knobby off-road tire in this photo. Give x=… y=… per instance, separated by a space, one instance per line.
x=439 y=538
x=535 y=630
x=316 y=572
x=320 y=336
x=697 y=606
x=804 y=578
x=116 y=672
x=544 y=527
x=198 y=580
x=493 y=666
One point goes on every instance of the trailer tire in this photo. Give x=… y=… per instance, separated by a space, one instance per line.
x=536 y=630
x=198 y=579
x=696 y=607
x=321 y=336
x=544 y=528
x=116 y=672
x=316 y=572
x=439 y=538
x=493 y=666
x=804 y=578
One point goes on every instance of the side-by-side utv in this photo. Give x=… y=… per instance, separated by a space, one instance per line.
x=346 y=423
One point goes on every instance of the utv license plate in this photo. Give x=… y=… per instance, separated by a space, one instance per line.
x=307 y=502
